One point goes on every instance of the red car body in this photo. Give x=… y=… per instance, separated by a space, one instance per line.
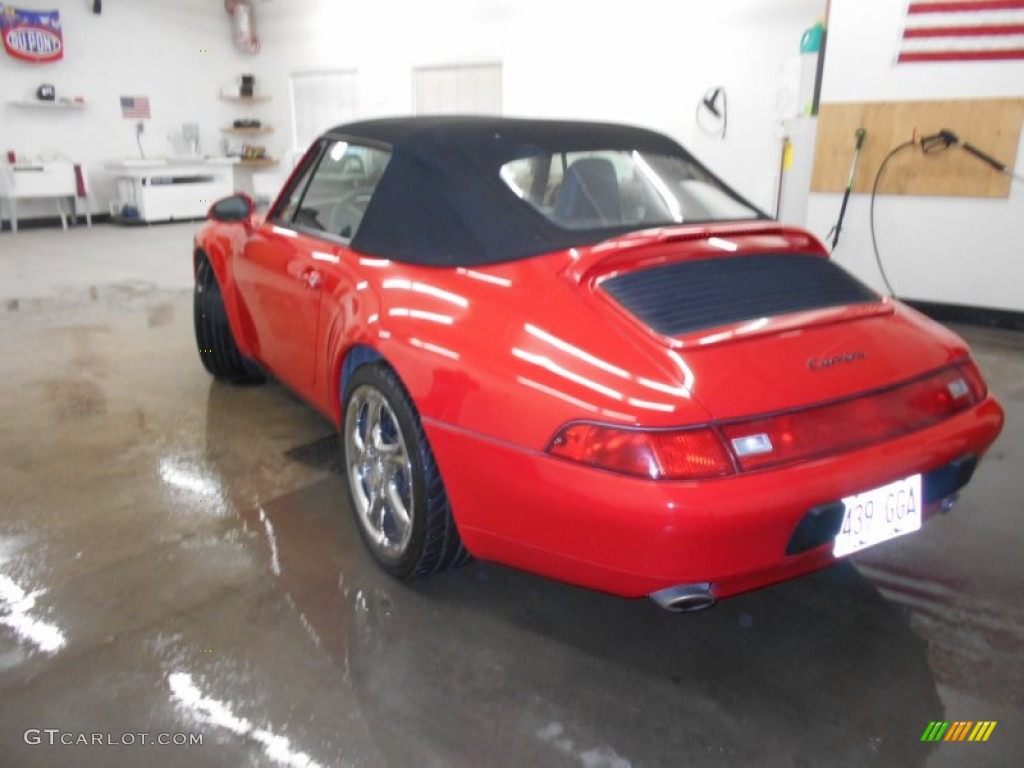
x=499 y=358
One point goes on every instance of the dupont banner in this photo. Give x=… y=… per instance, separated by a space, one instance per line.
x=31 y=35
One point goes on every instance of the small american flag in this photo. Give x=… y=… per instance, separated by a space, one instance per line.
x=134 y=107
x=963 y=30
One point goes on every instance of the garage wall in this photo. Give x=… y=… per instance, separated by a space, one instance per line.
x=648 y=62
x=177 y=52
x=953 y=250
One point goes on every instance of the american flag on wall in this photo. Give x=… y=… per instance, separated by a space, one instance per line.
x=963 y=30
x=135 y=107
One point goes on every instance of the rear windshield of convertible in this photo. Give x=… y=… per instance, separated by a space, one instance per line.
x=613 y=188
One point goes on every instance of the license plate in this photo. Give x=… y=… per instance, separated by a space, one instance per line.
x=879 y=515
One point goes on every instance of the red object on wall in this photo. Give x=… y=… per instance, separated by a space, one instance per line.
x=242 y=24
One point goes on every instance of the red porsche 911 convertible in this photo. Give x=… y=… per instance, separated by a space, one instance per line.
x=569 y=348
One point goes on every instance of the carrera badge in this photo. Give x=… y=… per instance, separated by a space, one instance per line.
x=823 y=363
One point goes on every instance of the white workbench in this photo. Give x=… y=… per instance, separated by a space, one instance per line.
x=178 y=188
x=51 y=178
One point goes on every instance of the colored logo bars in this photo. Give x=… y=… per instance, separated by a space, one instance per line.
x=959 y=730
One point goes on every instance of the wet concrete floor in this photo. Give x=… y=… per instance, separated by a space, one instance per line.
x=177 y=561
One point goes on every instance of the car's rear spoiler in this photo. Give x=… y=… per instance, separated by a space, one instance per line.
x=659 y=246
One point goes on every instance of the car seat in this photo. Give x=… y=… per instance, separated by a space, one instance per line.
x=589 y=194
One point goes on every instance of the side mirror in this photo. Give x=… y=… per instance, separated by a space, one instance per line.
x=238 y=207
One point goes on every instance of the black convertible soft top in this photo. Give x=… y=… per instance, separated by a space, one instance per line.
x=442 y=201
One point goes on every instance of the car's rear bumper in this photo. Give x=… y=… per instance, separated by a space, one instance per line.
x=632 y=537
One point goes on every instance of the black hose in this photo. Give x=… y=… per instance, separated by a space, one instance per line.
x=874 y=193
x=930 y=145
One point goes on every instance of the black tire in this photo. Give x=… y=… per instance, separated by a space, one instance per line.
x=214 y=340
x=415 y=535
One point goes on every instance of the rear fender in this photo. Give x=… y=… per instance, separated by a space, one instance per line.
x=357 y=356
x=353 y=357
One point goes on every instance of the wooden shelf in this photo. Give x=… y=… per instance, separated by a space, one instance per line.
x=245 y=99
x=264 y=129
x=37 y=104
x=242 y=135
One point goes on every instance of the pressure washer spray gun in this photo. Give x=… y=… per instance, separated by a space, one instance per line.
x=946 y=138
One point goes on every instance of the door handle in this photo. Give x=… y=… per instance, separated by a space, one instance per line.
x=312 y=279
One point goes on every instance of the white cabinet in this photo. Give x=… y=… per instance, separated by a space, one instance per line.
x=162 y=190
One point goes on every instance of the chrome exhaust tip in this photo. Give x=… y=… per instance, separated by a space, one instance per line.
x=685 y=598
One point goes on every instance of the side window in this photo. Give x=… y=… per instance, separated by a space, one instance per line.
x=286 y=209
x=334 y=198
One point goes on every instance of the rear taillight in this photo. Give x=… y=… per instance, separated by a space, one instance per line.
x=830 y=429
x=688 y=454
x=769 y=441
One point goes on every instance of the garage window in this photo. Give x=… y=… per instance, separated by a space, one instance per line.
x=321 y=100
x=462 y=89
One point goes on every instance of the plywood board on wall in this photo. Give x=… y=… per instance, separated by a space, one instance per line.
x=992 y=125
